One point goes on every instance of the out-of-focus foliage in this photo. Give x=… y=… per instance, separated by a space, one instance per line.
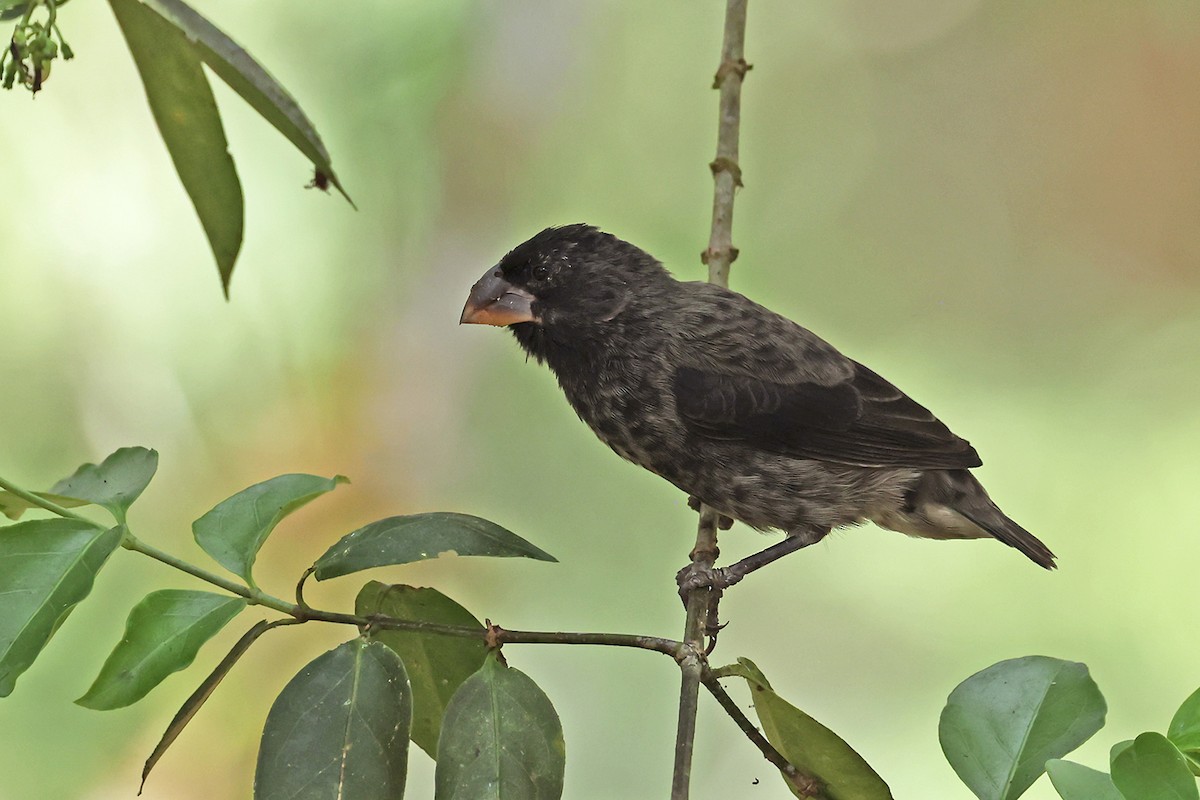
x=992 y=204
x=171 y=43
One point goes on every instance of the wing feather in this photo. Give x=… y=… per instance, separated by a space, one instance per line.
x=862 y=421
x=749 y=374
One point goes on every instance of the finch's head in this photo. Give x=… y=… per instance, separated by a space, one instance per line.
x=572 y=275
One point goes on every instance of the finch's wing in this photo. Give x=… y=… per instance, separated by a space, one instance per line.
x=861 y=421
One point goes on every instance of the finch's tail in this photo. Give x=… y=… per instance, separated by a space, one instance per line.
x=995 y=522
x=952 y=504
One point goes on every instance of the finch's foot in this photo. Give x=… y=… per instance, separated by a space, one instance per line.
x=694 y=576
x=724 y=523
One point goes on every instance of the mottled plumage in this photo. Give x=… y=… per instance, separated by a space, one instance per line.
x=734 y=404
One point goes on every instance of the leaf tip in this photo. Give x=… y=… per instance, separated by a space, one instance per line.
x=145 y=774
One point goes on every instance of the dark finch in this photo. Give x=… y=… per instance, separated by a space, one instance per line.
x=739 y=407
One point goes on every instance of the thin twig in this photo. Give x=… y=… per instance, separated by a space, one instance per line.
x=199 y=697
x=805 y=784
x=727 y=174
x=304 y=608
x=303 y=612
x=41 y=502
x=500 y=636
x=718 y=256
x=699 y=604
x=670 y=647
x=131 y=542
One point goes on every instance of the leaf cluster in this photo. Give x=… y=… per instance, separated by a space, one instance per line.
x=171 y=44
x=341 y=726
x=33 y=47
x=1006 y=725
x=420 y=668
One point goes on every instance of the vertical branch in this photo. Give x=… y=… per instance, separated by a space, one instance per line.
x=727 y=177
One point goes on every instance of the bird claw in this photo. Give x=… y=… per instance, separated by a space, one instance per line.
x=695 y=576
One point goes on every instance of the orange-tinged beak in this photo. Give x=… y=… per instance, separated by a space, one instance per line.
x=495 y=301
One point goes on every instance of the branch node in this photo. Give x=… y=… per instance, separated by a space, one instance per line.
x=726 y=164
x=493 y=637
x=737 y=67
x=806 y=785
x=690 y=656
x=726 y=255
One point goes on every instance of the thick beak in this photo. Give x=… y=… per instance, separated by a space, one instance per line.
x=495 y=301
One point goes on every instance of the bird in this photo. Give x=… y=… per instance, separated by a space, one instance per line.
x=743 y=409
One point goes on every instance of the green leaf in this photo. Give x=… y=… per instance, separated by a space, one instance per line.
x=113 y=484
x=437 y=665
x=501 y=740
x=1000 y=726
x=247 y=77
x=810 y=746
x=1077 y=782
x=183 y=106
x=1184 y=731
x=209 y=685
x=234 y=531
x=1153 y=769
x=46 y=567
x=13 y=507
x=339 y=729
x=164 y=633
x=402 y=540
x=1118 y=748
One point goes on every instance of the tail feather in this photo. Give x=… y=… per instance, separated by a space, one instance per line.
x=952 y=504
x=997 y=523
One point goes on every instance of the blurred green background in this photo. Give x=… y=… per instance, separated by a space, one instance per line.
x=994 y=204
